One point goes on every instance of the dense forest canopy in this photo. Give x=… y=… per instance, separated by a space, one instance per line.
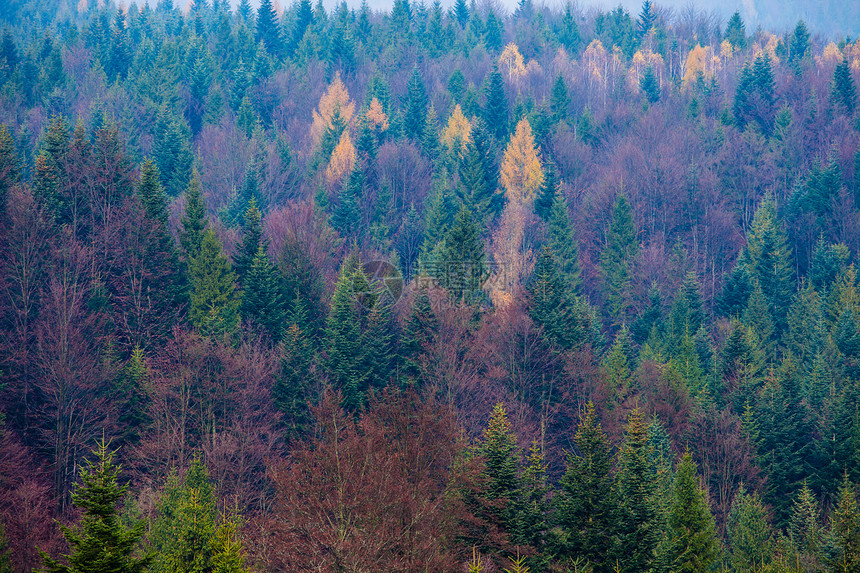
x=440 y=289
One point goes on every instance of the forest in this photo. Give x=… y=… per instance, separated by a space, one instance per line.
x=439 y=289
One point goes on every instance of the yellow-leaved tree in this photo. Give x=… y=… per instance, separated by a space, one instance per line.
x=342 y=160
x=700 y=61
x=458 y=132
x=521 y=172
x=376 y=117
x=336 y=97
x=512 y=63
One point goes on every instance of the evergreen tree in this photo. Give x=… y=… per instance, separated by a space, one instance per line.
x=268 y=28
x=500 y=453
x=547 y=193
x=799 y=44
x=559 y=99
x=9 y=165
x=214 y=308
x=563 y=242
x=493 y=32
x=101 y=543
x=252 y=241
x=304 y=18
x=182 y=533
x=194 y=220
x=261 y=299
x=461 y=12
x=749 y=534
x=151 y=193
x=171 y=152
x=532 y=522
x=462 y=267
x=647 y=19
x=228 y=555
x=569 y=35
x=496 y=108
x=415 y=113
x=617 y=257
x=845 y=530
x=736 y=32
x=418 y=333
x=638 y=534
x=586 y=503
x=691 y=526
x=549 y=302
x=804 y=528
x=844 y=91
x=479 y=177
x=650 y=85
x=377 y=342
x=290 y=392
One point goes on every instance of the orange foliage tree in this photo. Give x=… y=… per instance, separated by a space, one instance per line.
x=342 y=159
x=458 y=131
x=521 y=172
x=335 y=98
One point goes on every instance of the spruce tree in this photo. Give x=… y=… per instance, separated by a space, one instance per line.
x=415 y=112
x=419 y=333
x=261 y=299
x=269 y=29
x=749 y=533
x=496 y=108
x=194 y=220
x=214 y=308
x=101 y=543
x=559 y=99
x=845 y=529
x=586 y=504
x=9 y=165
x=564 y=244
x=638 y=532
x=151 y=193
x=650 y=85
x=805 y=526
x=462 y=266
x=460 y=12
x=617 y=258
x=692 y=532
x=549 y=302
x=500 y=453
x=479 y=177
x=799 y=44
x=252 y=241
x=736 y=32
x=547 y=193
x=532 y=524
x=844 y=91
x=171 y=151
x=493 y=32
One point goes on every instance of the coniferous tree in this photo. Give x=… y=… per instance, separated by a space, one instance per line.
x=479 y=177
x=151 y=193
x=692 y=532
x=496 y=108
x=617 y=257
x=749 y=534
x=845 y=529
x=549 y=301
x=586 y=503
x=194 y=220
x=569 y=35
x=462 y=267
x=559 y=99
x=736 y=32
x=799 y=43
x=214 y=308
x=102 y=543
x=461 y=12
x=805 y=528
x=650 y=85
x=647 y=19
x=268 y=28
x=493 y=32
x=638 y=532
x=9 y=165
x=563 y=242
x=415 y=113
x=844 y=91
x=532 y=522
x=171 y=151
x=261 y=299
x=252 y=241
x=418 y=333
x=499 y=450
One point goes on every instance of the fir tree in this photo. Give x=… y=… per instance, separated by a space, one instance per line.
x=101 y=543
x=647 y=19
x=805 y=528
x=564 y=244
x=462 y=267
x=460 y=12
x=749 y=534
x=261 y=299
x=844 y=91
x=500 y=453
x=586 y=503
x=799 y=44
x=569 y=35
x=171 y=152
x=228 y=554
x=548 y=192
x=419 y=333
x=496 y=108
x=479 y=177
x=845 y=529
x=533 y=505
x=650 y=85
x=638 y=534
x=252 y=241
x=415 y=113
x=493 y=32
x=214 y=308
x=194 y=220
x=691 y=526
x=736 y=32
x=549 y=301
x=290 y=392
x=151 y=193
x=268 y=28
x=559 y=99
x=617 y=257
x=9 y=165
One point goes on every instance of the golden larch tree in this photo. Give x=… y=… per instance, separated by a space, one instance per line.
x=521 y=173
x=336 y=97
x=512 y=63
x=376 y=117
x=342 y=160
x=458 y=132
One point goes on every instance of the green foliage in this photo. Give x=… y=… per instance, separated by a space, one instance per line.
x=736 y=32
x=194 y=220
x=101 y=543
x=252 y=241
x=9 y=165
x=695 y=547
x=750 y=536
x=419 y=333
x=462 y=266
x=618 y=255
x=479 y=177
x=799 y=46
x=564 y=244
x=415 y=113
x=547 y=193
x=496 y=108
x=845 y=530
x=269 y=29
x=805 y=525
x=844 y=91
x=650 y=85
x=261 y=299
x=151 y=193
x=501 y=456
x=215 y=303
x=171 y=152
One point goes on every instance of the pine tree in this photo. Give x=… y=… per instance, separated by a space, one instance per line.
x=617 y=257
x=151 y=193
x=101 y=543
x=194 y=220
x=691 y=526
x=214 y=308
x=638 y=535
x=844 y=91
x=496 y=108
x=268 y=28
x=650 y=85
x=799 y=44
x=750 y=536
x=586 y=503
x=290 y=392
x=304 y=19
x=548 y=192
x=415 y=113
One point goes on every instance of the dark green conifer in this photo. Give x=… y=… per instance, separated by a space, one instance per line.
x=564 y=244
x=799 y=44
x=559 y=99
x=617 y=257
x=268 y=28
x=462 y=266
x=650 y=85
x=194 y=220
x=419 y=333
x=214 y=308
x=750 y=536
x=496 y=108
x=692 y=532
x=461 y=12
x=493 y=32
x=252 y=241
x=845 y=529
x=844 y=91
x=415 y=112
x=736 y=32
x=547 y=193
x=151 y=193
x=501 y=456
x=101 y=543
x=261 y=299
x=9 y=165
